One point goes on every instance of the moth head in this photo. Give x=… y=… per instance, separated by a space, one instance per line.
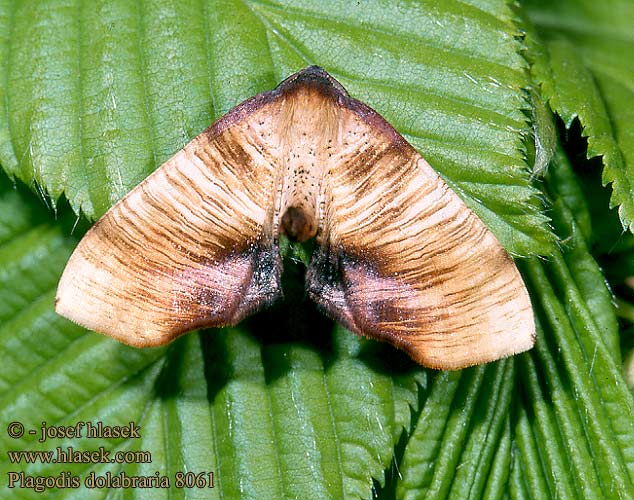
x=316 y=78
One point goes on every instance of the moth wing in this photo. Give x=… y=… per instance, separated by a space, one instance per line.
x=402 y=259
x=191 y=246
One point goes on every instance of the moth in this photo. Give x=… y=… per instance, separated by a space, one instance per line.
x=398 y=256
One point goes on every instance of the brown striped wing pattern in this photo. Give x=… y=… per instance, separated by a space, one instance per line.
x=402 y=259
x=191 y=246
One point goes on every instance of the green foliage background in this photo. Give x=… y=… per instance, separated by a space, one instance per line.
x=497 y=95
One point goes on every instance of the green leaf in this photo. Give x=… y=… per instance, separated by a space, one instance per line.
x=98 y=94
x=574 y=430
x=577 y=402
x=586 y=71
x=592 y=289
x=564 y=186
x=452 y=449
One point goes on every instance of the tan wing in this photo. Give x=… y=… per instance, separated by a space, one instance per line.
x=191 y=246
x=402 y=259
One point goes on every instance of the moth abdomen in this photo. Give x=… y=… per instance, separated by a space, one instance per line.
x=298 y=224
